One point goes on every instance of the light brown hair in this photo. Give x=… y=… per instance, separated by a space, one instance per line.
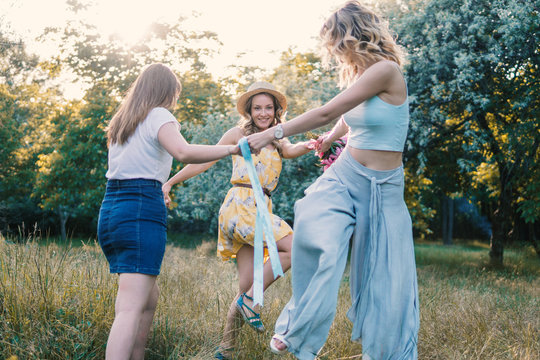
x=156 y=86
x=355 y=36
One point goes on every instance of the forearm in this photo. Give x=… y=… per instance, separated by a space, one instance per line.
x=188 y=172
x=339 y=130
x=295 y=150
x=198 y=154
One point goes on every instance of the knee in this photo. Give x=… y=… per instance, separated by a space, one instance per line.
x=284 y=245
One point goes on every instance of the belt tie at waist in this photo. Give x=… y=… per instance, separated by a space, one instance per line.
x=265 y=190
x=375 y=207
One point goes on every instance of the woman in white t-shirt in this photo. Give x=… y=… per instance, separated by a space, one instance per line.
x=143 y=137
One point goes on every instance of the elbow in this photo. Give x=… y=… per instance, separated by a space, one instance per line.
x=182 y=155
x=182 y=158
x=325 y=117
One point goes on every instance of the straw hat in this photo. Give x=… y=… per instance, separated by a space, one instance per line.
x=257 y=88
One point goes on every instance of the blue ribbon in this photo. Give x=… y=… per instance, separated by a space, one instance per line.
x=263 y=226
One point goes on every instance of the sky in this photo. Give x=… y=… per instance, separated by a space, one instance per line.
x=260 y=30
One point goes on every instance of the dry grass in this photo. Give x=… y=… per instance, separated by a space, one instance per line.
x=56 y=302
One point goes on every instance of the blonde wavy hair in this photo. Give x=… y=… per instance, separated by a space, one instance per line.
x=356 y=36
x=156 y=86
x=248 y=126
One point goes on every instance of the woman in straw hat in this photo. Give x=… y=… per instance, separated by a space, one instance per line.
x=360 y=194
x=262 y=107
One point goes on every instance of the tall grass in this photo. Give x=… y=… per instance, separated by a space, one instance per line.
x=57 y=302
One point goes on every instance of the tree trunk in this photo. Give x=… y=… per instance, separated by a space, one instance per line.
x=64 y=215
x=502 y=226
x=447 y=219
x=496 y=245
x=533 y=238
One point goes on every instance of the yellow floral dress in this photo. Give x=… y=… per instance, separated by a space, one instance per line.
x=238 y=212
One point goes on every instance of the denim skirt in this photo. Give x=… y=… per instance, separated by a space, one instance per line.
x=132 y=226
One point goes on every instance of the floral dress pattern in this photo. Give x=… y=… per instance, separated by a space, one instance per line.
x=238 y=212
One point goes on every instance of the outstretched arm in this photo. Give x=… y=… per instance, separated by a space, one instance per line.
x=376 y=79
x=170 y=138
x=230 y=138
x=291 y=151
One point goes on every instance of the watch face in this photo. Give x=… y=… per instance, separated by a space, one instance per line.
x=278 y=132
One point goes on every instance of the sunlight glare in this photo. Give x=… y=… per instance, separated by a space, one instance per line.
x=127 y=19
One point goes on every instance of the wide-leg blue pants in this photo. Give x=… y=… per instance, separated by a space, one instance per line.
x=350 y=199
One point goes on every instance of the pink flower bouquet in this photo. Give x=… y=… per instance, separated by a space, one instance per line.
x=328 y=157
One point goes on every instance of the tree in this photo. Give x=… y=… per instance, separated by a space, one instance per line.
x=24 y=100
x=70 y=178
x=71 y=172
x=473 y=69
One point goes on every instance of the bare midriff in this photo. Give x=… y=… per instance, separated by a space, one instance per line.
x=377 y=159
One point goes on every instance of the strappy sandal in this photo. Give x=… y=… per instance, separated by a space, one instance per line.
x=273 y=347
x=255 y=320
x=221 y=353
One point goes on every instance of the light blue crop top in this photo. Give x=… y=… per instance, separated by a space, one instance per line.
x=378 y=125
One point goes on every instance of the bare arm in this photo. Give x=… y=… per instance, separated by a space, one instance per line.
x=376 y=79
x=291 y=151
x=229 y=138
x=170 y=138
x=339 y=130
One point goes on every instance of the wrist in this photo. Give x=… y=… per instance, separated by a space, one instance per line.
x=277 y=132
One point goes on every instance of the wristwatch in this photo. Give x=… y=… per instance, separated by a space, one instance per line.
x=278 y=132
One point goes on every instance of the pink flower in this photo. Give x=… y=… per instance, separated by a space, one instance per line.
x=330 y=156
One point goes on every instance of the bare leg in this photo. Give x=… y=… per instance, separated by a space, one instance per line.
x=284 y=251
x=244 y=261
x=145 y=325
x=134 y=292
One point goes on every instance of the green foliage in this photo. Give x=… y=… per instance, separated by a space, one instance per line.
x=201 y=95
x=72 y=175
x=199 y=199
x=25 y=103
x=306 y=83
x=474 y=97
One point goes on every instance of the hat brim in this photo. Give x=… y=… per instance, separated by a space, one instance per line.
x=242 y=100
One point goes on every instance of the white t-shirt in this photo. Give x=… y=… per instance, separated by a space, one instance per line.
x=142 y=156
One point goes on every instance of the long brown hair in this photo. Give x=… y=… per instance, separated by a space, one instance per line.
x=248 y=126
x=156 y=86
x=355 y=36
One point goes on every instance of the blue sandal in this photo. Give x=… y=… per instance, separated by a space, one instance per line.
x=255 y=320
x=220 y=353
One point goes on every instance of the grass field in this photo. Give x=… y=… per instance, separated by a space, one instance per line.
x=56 y=302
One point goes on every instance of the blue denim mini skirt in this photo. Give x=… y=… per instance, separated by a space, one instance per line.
x=132 y=226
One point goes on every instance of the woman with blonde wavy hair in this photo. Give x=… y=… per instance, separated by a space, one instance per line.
x=262 y=107
x=143 y=137
x=360 y=195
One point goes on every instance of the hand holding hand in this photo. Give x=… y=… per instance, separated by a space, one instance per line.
x=310 y=144
x=234 y=150
x=323 y=143
x=259 y=140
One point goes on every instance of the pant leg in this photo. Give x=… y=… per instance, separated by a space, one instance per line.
x=385 y=310
x=324 y=222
